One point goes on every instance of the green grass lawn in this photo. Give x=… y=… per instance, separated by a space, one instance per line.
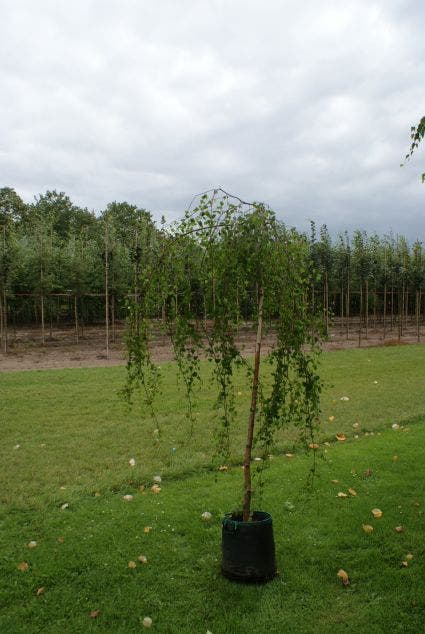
x=75 y=438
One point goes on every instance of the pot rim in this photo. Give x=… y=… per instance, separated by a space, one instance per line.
x=266 y=518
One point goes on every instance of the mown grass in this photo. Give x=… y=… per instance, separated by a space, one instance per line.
x=76 y=438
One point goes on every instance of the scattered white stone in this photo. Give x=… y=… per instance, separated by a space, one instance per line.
x=206 y=516
x=395 y=426
x=64 y=506
x=127 y=498
x=345 y=398
x=132 y=462
x=157 y=479
x=17 y=446
x=147 y=621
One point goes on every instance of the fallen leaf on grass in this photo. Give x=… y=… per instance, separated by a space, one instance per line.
x=395 y=426
x=341 y=494
x=127 y=498
x=313 y=445
x=368 y=529
x=147 y=621
x=143 y=559
x=409 y=557
x=331 y=418
x=206 y=516
x=289 y=455
x=32 y=544
x=399 y=529
x=377 y=513
x=223 y=467
x=147 y=529
x=368 y=473
x=352 y=492
x=132 y=462
x=64 y=506
x=40 y=591
x=334 y=481
x=157 y=479
x=395 y=458
x=23 y=566
x=344 y=398
x=404 y=564
x=94 y=614
x=156 y=489
x=341 y=437
x=132 y=565
x=355 y=425
x=97 y=494
x=61 y=540
x=344 y=577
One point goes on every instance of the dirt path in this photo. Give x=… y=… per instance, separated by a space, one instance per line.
x=59 y=351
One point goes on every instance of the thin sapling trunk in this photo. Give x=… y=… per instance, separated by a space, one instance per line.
x=246 y=509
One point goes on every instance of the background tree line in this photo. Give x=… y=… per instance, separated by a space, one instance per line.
x=62 y=264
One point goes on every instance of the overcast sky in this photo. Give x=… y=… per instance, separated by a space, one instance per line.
x=306 y=106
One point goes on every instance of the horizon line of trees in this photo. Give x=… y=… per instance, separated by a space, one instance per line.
x=52 y=248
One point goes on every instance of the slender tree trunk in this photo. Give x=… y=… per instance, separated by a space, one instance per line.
x=360 y=314
x=50 y=319
x=43 y=333
x=4 y=320
x=113 y=317
x=400 y=314
x=392 y=307
x=77 y=334
x=347 y=308
x=417 y=311
x=374 y=307
x=385 y=310
x=252 y=412
x=107 y=292
x=367 y=309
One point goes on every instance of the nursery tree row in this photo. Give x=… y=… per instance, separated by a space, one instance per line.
x=59 y=262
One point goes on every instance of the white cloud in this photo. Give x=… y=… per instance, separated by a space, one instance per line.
x=306 y=106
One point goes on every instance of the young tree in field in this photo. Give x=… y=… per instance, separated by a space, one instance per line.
x=342 y=272
x=78 y=258
x=41 y=262
x=235 y=241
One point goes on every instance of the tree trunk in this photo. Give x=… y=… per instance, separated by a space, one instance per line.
x=385 y=310
x=77 y=334
x=4 y=321
x=113 y=317
x=360 y=315
x=417 y=311
x=253 y=410
x=367 y=309
x=107 y=292
x=347 y=308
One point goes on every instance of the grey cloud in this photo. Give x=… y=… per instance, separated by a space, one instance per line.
x=306 y=106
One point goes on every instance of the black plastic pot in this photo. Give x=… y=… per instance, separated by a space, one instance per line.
x=248 y=548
